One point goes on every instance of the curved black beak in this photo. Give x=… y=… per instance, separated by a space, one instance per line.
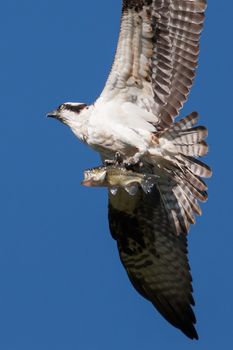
x=52 y=114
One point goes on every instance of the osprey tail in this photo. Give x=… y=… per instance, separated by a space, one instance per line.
x=180 y=182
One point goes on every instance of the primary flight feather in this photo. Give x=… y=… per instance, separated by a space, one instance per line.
x=134 y=117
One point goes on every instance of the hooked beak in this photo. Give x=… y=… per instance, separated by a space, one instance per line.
x=52 y=114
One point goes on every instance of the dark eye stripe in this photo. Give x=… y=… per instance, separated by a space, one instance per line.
x=75 y=108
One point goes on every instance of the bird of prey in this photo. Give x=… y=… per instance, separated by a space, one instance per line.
x=134 y=117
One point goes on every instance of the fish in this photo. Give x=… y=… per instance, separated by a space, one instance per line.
x=118 y=176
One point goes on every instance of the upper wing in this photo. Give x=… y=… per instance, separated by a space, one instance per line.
x=157 y=54
x=154 y=257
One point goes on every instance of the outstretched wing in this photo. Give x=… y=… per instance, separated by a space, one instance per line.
x=154 y=257
x=157 y=54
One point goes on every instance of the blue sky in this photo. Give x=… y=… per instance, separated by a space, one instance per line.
x=62 y=286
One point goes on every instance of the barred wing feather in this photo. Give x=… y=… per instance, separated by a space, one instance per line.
x=157 y=54
x=154 y=258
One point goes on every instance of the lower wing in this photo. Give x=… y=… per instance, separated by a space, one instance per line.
x=154 y=257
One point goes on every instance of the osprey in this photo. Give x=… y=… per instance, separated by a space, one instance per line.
x=150 y=80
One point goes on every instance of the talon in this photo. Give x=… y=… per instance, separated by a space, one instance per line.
x=118 y=158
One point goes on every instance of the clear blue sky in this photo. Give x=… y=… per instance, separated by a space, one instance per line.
x=62 y=286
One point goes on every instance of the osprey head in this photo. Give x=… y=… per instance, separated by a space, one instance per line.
x=68 y=112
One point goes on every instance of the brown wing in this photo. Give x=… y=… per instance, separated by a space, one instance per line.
x=157 y=54
x=154 y=257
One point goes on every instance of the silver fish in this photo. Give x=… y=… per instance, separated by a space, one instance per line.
x=117 y=176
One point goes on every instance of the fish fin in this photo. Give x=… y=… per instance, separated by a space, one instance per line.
x=148 y=183
x=131 y=189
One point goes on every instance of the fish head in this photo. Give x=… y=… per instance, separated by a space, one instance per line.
x=94 y=177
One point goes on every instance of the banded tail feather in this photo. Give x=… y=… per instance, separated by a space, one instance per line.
x=181 y=186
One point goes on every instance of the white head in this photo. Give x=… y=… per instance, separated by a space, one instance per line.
x=68 y=113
